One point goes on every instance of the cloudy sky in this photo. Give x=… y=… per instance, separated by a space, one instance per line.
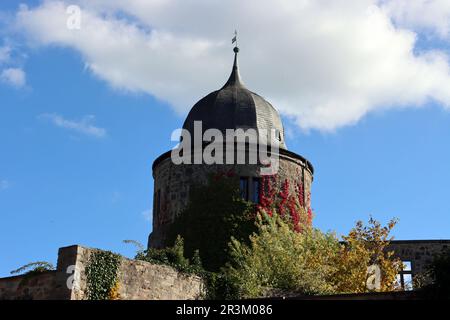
x=87 y=104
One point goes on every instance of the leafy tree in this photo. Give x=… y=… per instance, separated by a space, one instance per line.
x=365 y=246
x=309 y=262
x=278 y=257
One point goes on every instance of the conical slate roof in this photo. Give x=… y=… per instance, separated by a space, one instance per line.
x=235 y=107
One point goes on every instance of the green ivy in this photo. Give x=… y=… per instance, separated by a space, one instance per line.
x=173 y=257
x=215 y=213
x=102 y=272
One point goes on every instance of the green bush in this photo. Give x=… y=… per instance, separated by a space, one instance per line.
x=174 y=257
x=220 y=286
x=279 y=258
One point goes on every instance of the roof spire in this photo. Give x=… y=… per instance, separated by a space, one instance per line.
x=235 y=78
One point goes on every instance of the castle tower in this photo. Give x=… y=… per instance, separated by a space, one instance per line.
x=231 y=107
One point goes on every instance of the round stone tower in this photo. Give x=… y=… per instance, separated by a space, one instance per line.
x=231 y=107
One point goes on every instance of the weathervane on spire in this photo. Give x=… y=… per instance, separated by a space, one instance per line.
x=234 y=40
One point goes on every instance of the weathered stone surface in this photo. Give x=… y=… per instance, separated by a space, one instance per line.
x=44 y=286
x=419 y=252
x=138 y=280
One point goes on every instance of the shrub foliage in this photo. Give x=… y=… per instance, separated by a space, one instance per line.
x=309 y=262
x=174 y=257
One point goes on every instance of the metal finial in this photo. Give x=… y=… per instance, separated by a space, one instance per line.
x=234 y=40
x=234 y=78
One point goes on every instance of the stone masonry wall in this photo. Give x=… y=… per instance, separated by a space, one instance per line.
x=419 y=252
x=138 y=280
x=45 y=286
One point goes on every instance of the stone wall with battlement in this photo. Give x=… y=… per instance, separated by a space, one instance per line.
x=138 y=280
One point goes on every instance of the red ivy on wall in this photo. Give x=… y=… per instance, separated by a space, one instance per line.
x=276 y=196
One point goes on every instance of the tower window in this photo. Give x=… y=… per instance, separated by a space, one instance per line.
x=255 y=190
x=243 y=187
x=250 y=189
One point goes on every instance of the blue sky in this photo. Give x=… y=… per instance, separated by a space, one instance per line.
x=89 y=182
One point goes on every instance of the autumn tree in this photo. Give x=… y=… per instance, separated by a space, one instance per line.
x=310 y=262
x=365 y=246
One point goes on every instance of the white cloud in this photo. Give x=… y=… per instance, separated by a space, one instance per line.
x=84 y=126
x=5 y=54
x=147 y=215
x=429 y=15
x=324 y=63
x=4 y=184
x=13 y=76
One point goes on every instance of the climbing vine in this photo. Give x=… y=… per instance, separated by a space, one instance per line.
x=102 y=275
x=277 y=195
x=215 y=213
